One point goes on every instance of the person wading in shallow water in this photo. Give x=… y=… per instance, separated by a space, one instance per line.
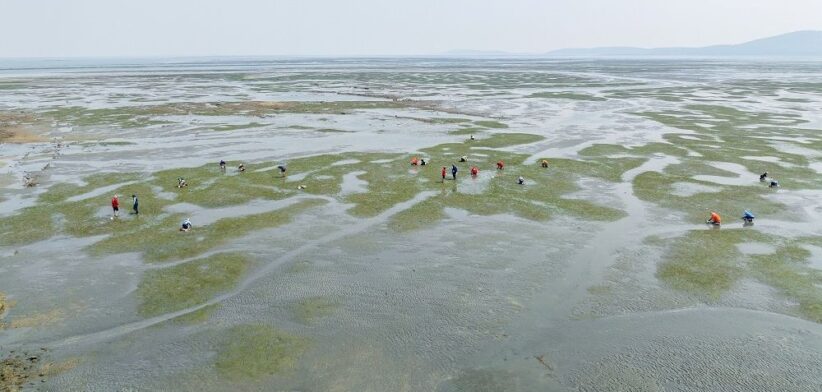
x=454 y=172
x=115 y=205
x=443 y=174
x=282 y=169
x=500 y=165
x=763 y=176
x=222 y=165
x=186 y=226
x=135 y=204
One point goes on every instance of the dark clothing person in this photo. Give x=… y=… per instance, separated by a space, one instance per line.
x=763 y=176
x=454 y=171
x=422 y=162
x=774 y=184
x=222 y=165
x=520 y=180
x=282 y=169
x=241 y=168
x=135 y=204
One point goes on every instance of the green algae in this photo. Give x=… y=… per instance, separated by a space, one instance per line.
x=418 y=216
x=160 y=239
x=115 y=143
x=250 y=352
x=725 y=134
x=642 y=151
x=199 y=316
x=727 y=200
x=390 y=180
x=309 y=309
x=189 y=284
x=566 y=95
x=787 y=270
x=62 y=191
x=32 y=224
x=439 y=120
x=706 y=263
x=490 y=124
x=146 y=115
x=466 y=131
x=500 y=140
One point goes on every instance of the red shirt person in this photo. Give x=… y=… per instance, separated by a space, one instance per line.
x=115 y=204
x=443 y=173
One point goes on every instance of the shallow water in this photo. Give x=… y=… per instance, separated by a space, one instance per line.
x=474 y=298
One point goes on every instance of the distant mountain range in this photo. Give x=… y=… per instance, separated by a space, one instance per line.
x=796 y=44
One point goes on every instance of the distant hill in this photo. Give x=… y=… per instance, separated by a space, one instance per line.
x=800 y=43
x=477 y=53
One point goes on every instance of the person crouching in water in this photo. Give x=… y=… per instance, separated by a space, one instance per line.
x=464 y=158
x=241 y=168
x=521 y=180
x=748 y=217
x=181 y=182
x=544 y=163
x=774 y=184
x=115 y=205
x=714 y=219
x=222 y=165
x=282 y=169
x=443 y=174
x=763 y=177
x=474 y=171
x=422 y=162
x=500 y=165
x=186 y=226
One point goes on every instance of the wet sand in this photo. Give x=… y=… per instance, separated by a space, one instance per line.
x=358 y=271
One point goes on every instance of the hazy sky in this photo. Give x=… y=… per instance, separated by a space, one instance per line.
x=56 y=28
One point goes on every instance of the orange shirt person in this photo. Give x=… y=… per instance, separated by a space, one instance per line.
x=715 y=219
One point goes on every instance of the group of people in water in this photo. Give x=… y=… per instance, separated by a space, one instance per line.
x=747 y=216
x=115 y=205
x=474 y=169
x=714 y=219
x=181 y=183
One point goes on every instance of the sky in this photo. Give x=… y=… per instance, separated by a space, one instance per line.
x=117 y=28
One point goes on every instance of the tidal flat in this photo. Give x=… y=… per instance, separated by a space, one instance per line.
x=355 y=270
